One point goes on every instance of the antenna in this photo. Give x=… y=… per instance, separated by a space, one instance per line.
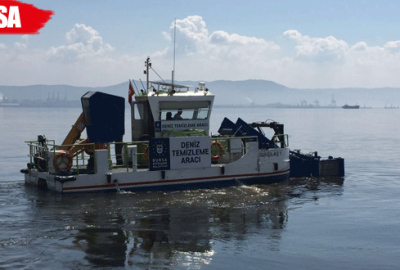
x=173 y=68
x=135 y=85
x=142 y=84
x=148 y=65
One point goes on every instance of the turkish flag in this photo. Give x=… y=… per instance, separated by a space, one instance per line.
x=131 y=92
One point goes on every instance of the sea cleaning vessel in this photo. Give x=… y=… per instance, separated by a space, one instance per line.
x=170 y=148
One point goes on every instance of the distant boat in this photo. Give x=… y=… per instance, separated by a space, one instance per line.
x=9 y=102
x=351 y=106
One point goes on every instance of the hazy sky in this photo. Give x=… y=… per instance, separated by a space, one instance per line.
x=301 y=44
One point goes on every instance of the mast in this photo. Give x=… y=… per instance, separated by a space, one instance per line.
x=173 y=68
x=148 y=65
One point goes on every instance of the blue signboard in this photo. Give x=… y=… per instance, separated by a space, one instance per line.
x=159 y=154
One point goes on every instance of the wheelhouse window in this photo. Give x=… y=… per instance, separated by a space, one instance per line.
x=199 y=110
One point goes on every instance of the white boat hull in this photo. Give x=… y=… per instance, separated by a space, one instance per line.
x=256 y=166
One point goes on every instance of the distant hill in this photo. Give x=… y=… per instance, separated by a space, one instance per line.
x=248 y=92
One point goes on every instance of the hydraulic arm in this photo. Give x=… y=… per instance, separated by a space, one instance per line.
x=74 y=134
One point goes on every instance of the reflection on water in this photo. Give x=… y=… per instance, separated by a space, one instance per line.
x=184 y=229
x=315 y=187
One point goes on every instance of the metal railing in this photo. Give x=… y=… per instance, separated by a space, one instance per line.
x=223 y=149
x=280 y=140
x=230 y=151
x=39 y=156
x=122 y=158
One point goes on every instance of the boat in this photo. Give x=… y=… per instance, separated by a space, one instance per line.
x=351 y=106
x=9 y=102
x=171 y=146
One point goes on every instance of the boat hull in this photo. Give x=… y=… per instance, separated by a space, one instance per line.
x=255 y=167
x=181 y=184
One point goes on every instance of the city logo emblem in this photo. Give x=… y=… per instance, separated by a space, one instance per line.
x=159 y=148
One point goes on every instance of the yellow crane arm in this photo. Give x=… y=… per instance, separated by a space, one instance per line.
x=74 y=134
x=72 y=147
x=77 y=148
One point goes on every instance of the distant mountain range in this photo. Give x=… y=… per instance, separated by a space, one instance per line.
x=242 y=93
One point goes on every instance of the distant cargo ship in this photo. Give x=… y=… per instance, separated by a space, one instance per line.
x=9 y=102
x=351 y=107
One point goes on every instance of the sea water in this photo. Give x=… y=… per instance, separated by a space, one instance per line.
x=309 y=223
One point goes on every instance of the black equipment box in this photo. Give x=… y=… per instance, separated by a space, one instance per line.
x=104 y=117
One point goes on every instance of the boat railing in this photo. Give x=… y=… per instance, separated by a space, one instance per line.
x=280 y=140
x=122 y=158
x=223 y=150
x=76 y=158
x=38 y=154
x=229 y=149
